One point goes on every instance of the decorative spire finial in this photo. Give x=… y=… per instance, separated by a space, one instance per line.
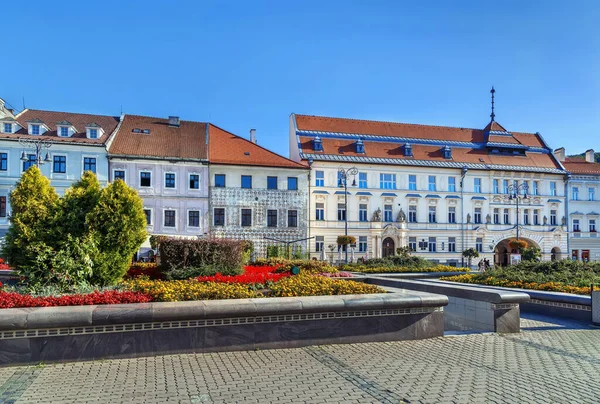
x=492 y=115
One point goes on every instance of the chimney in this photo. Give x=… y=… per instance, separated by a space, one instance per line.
x=174 y=121
x=590 y=156
x=253 y=135
x=560 y=154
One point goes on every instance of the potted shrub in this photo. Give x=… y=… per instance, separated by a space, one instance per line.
x=346 y=240
x=517 y=244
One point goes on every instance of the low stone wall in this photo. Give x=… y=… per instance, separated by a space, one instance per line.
x=469 y=308
x=54 y=334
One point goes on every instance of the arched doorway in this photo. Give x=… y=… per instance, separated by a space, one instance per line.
x=389 y=247
x=502 y=252
x=555 y=254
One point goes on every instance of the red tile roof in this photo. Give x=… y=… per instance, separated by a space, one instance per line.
x=578 y=165
x=227 y=148
x=51 y=118
x=187 y=142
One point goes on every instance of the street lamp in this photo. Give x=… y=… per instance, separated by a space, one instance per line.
x=38 y=145
x=517 y=192
x=343 y=175
x=463 y=173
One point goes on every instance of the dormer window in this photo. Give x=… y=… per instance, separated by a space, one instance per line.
x=93 y=131
x=7 y=128
x=63 y=131
x=408 y=150
x=360 y=147
x=447 y=152
x=35 y=129
x=317 y=144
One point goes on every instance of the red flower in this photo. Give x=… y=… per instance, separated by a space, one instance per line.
x=13 y=299
x=251 y=275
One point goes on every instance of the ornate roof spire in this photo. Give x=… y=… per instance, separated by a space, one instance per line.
x=492 y=115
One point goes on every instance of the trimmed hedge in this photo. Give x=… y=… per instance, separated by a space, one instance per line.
x=192 y=256
x=306 y=266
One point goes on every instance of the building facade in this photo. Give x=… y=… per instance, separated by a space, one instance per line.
x=438 y=190
x=165 y=160
x=583 y=203
x=256 y=194
x=68 y=144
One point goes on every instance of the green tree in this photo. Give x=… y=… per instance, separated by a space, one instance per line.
x=470 y=253
x=34 y=205
x=531 y=254
x=118 y=225
x=79 y=200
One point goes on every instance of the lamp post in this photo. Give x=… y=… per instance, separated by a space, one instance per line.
x=343 y=175
x=38 y=145
x=517 y=192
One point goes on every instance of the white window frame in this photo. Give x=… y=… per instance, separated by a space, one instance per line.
x=317 y=179
x=409 y=182
x=60 y=131
x=4 y=127
x=5 y=172
x=187 y=217
x=287 y=218
x=120 y=169
x=88 y=156
x=452 y=186
x=165 y=180
x=163 y=219
x=140 y=179
x=66 y=170
x=392 y=181
x=39 y=128
x=188 y=182
x=251 y=216
x=213 y=216
x=151 y=224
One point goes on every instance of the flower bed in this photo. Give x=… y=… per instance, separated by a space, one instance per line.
x=12 y=299
x=340 y=274
x=380 y=270
x=311 y=285
x=144 y=269
x=507 y=283
x=252 y=275
x=306 y=266
x=191 y=289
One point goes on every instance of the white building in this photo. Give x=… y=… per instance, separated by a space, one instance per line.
x=583 y=203
x=439 y=190
x=256 y=194
x=165 y=160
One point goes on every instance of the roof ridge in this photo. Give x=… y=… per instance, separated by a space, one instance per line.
x=66 y=112
x=401 y=123
x=254 y=144
x=166 y=119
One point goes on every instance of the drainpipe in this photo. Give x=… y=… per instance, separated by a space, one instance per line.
x=310 y=163
x=463 y=172
x=567 y=178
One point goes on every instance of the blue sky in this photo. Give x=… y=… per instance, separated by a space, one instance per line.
x=249 y=64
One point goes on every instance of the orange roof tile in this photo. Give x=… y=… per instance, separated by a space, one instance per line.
x=227 y=148
x=188 y=141
x=578 y=165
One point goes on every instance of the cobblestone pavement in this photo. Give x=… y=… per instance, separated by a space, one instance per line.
x=549 y=362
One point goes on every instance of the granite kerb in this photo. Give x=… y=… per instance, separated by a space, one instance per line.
x=94 y=315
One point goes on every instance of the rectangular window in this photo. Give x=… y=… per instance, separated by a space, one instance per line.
x=246 y=217
x=2 y=206
x=387 y=181
x=194 y=218
x=362 y=180
x=479 y=244
x=292 y=183
x=505 y=186
x=3 y=161
x=247 y=181
x=432 y=211
x=451 y=244
x=575 y=193
x=553 y=217
x=169 y=180
x=452 y=214
x=362 y=244
x=271 y=182
x=477 y=185
x=194 y=181
x=525 y=187
x=536 y=217
x=8 y=128
x=412 y=182
x=89 y=164
x=220 y=180
x=219 y=216
x=477 y=216
x=169 y=218
x=536 y=188
x=119 y=175
x=93 y=133
x=526 y=216
x=59 y=164
x=341 y=212
x=553 y=188
x=412 y=213
x=319 y=179
x=320 y=211
x=30 y=161
x=35 y=129
x=145 y=179
x=432 y=244
x=362 y=212
x=496 y=216
x=412 y=243
x=64 y=132
x=592 y=225
x=387 y=213
x=292 y=218
x=148 y=214
x=576 y=225
x=431 y=183
x=319 y=243
x=496 y=186
x=451 y=184
x=591 y=194
x=506 y=217
x=271 y=218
